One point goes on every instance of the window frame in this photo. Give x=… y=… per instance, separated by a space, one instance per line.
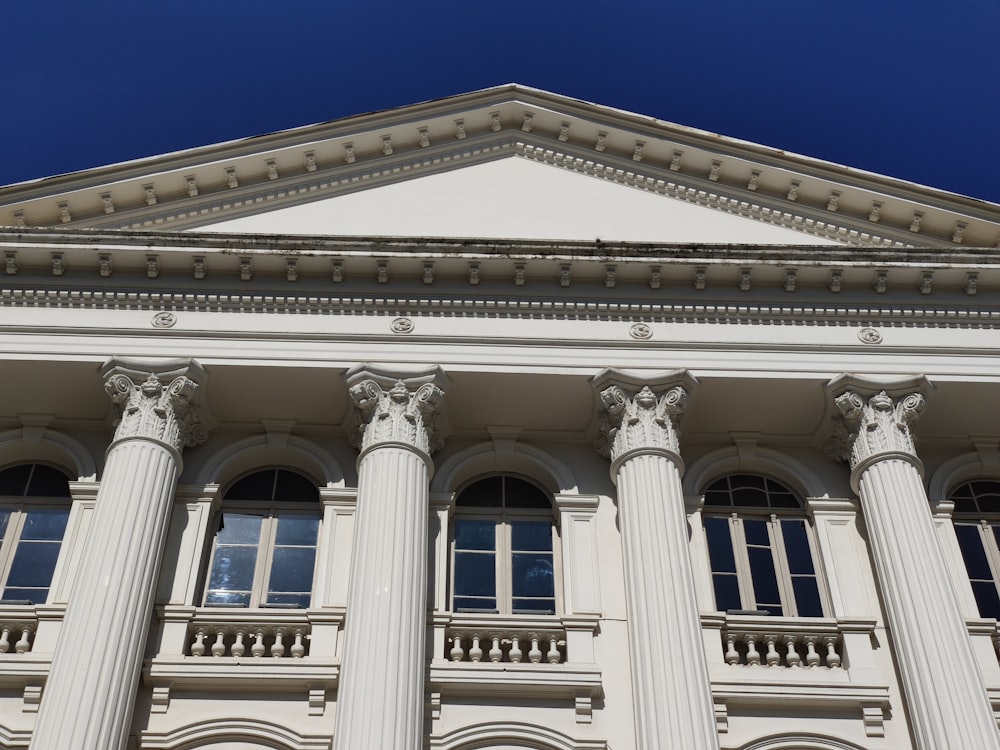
x=773 y=518
x=20 y=507
x=270 y=512
x=987 y=525
x=503 y=549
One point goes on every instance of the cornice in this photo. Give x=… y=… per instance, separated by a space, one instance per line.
x=761 y=183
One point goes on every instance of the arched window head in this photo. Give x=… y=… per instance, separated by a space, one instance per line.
x=504 y=550
x=264 y=553
x=34 y=510
x=760 y=547
x=977 y=526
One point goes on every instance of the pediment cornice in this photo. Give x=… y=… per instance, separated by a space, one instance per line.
x=211 y=184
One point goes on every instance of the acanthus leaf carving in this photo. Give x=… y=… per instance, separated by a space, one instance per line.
x=151 y=410
x=869 y=426
x=399 y=414
x=639 y=419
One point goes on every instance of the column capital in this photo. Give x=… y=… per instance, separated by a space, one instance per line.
x=640 y=413
x=159 y=400
x=394 y=405
x=873 y=418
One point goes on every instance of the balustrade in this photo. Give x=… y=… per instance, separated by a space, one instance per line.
x=16 y=637
x=508 y=646
x=255 y=641
x=782 y=649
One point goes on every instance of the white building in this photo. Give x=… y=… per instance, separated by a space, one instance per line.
x=345 y=492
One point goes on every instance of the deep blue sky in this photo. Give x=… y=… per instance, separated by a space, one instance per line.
x=908 y=88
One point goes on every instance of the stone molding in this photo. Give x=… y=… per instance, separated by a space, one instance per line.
x=393 y=407
x=157 y=400
x=639 y=414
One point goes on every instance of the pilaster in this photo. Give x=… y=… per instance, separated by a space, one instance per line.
x=639 y=432
x=942 y=685
x=384 y=652
x=90 y=692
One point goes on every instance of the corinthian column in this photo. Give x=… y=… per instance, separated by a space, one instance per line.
x=670 y=683
x=942 y=685
x=380 y=699
x=91 y=689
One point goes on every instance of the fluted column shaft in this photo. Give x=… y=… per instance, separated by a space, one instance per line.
x=91 y=689
x=380 y=697
x=942 y=685
x=671 y=688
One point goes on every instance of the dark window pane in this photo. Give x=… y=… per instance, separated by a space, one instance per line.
x=784 y=500
x=475 y=574
x=228 y=598
x=972 y=551
x=33 y=564
x=765 y=585
x=756 y=532
x=521 y=494
x=475 y=534
x=534 y=606
x=807 y=596
x=748 y=498
x=466 y=604
x=232 y=568
x=45 y=523
x=289 y=600
x=258 y=486
x=239 y=528
x=295 y=487
x=14 y=481
x=727 y=592
x=4 y=520
x=718 y=497
x=294 y=529
x=292 y=569
x=34 y=595
x=986 y=598
x=797 y=547
x=750 y=481
x=48 y=482
x=532 y=575
x=720 y=545
x=531 y=536
x=486 y=493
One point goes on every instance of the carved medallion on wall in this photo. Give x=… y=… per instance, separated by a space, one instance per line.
x=401 y=325
x=164 y=320
x=640 y=331
x=869 y=336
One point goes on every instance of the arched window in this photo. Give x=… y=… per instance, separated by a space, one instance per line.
x=34 y=509
x=264 y=552
x=503 y=549
x=977 y=526
x=760 y=547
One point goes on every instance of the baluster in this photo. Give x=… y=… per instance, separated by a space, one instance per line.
x=475 y=653
x=23 y=643
x=773 y=657
x=5 y=640
x=257 y=649
x=219 y=647
x=299 y=647
x=753 y=655
x=238 y=648
x=515 y=653
x=832 y=657
x=457 y=652
x=535 y=654
x=197 y=648
x=495 y=653
x=812 y=658
x=278 y=647
x=792 y=658
x=554 y=656
x=732 y=655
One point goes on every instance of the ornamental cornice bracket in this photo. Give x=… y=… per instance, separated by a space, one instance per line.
x=162 y=400
x=639 y=412
x=873 y=418
x=396 y=405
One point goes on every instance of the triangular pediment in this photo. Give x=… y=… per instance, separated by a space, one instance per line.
x=508 y=162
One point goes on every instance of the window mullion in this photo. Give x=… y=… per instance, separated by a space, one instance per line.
x=265 y=556
x=504 y=563
x=781 y=569
x=742 y=556
x=990 y=547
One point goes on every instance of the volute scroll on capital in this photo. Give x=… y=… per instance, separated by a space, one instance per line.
x=158 y=400
x=640 y=413
x=395 y=407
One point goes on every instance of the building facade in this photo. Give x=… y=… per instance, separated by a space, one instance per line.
x=500 y=421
